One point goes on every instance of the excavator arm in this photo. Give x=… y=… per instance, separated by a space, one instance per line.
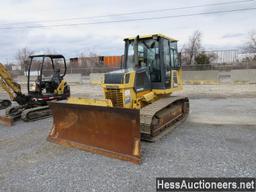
x=8 y=84
x=14 y=91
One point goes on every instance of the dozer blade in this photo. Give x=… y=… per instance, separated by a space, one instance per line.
x=113 y=132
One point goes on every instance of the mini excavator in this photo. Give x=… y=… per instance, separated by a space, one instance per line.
x=34 y=105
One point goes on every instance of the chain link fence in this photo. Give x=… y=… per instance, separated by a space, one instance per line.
x=214 y=60
x=218 y=60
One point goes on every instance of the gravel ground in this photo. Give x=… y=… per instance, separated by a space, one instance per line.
x=218 y=139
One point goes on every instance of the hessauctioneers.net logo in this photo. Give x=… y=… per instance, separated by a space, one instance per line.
x=206 y=184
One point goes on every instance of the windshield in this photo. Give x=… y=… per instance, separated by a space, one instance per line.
x=148 y=53
x=130 y=56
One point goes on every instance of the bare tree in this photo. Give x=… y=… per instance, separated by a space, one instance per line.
x=251 y=44
x=90 y=60
x=23 y=57
x=192 y=48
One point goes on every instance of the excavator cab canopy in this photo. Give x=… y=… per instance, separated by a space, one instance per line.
x=45 y=71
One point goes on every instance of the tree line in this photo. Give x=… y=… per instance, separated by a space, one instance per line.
x=192 y=52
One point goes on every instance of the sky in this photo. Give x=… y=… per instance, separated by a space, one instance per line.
x=85 y=26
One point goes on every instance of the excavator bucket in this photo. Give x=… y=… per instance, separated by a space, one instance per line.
x=113 y=132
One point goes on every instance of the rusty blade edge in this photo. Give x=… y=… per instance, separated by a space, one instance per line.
x=6 y=121
x=95 y=150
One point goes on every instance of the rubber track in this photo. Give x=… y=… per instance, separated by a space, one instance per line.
x=41 y=112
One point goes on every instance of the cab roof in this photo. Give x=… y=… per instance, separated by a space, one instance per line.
x=150 y=36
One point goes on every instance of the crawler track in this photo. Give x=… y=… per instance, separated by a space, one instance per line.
x=36 y=113
x=25 y=113
x=162 y=116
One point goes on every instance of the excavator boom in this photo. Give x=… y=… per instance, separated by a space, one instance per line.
x=8 y=84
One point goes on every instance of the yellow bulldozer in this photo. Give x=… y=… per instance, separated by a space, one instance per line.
x=137 y=104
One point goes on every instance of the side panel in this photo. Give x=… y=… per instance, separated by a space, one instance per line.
x=113 y=132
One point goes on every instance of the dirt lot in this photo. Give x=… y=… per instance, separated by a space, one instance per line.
x=218 y=139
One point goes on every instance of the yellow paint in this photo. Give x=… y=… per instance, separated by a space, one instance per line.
x=149 y=96
x=87 y=101
x=124 y=95
x=143 y=98
x=61 y=87
x=7 y=82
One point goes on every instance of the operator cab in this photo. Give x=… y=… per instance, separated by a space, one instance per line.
x=153 y=58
